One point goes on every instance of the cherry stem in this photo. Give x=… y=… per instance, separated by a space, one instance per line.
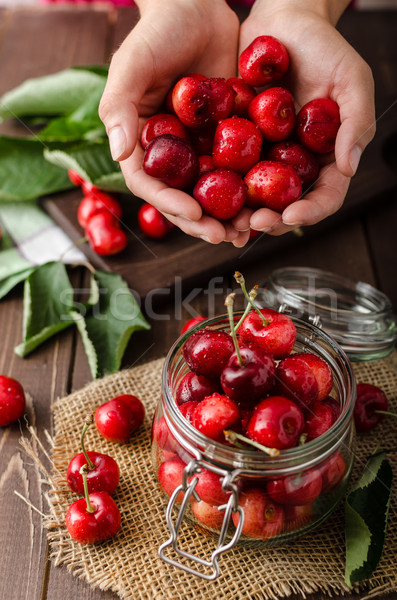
x=252 y=294
x=229 y=304
x=232 y=436
x=83 y=473
x=385 y=412
x=88 y=421
x=241 y=281
x=302 y=439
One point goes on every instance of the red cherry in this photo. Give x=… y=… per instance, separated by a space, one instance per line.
x=12 y=400
x=203 y=139
x=263 y=518
x=160 y=124
x=220 y=193
x=94 y=203
x=207 y=514
x=276 y=422
x=206 y=164
x=321 y=418
x=272 y=185
x=192 y=102
x=251 y=380
x=333 y=404
x=162 y=435
x=207 y=352
x=263 y=61
x=75 y=177
x=237 y=145
x=244 y=94
x=104 y=477
x=104 y=234
x=299 y=489
x=209 y=488
x=332 y=472
x=89 y=188
x=297 y=516
x=275 y=333
x=295 y=380
x=97 y=526
x=222 y=98
x=192 y=323
x=321 y=370
x=317 y=124
x=273 y=111
x=370 y=398
x=119 y=418
x=298 y=157
x=195 y=387
x=172 y=160
x=187 y=409
x=214 y=414
x=170 y=475
x=153 y=223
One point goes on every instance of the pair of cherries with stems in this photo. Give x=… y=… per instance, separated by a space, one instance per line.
x=99 y=215
x=95 y=476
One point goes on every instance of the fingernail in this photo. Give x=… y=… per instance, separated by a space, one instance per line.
x=117 y=142
x=355 y=156
x=290 y=224
x=205 y=239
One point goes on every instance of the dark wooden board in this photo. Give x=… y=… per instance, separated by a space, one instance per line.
x=150 y=266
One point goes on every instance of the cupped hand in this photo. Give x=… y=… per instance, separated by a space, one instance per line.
x=322 y=64
x=165 y=44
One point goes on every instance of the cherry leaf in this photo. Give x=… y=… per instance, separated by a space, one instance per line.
x=366 y=511
x=48 y=298
x=107 y=325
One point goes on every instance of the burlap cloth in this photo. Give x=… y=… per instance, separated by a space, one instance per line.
x=129 y=563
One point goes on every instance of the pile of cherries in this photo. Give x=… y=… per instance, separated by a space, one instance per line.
x=95 y=517
x=99 y=214
x=230 y=145
x=249 y=388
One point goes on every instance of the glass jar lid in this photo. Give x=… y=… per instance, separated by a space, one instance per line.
x=356 y=315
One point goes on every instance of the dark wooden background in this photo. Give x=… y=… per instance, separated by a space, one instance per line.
x=361 y=245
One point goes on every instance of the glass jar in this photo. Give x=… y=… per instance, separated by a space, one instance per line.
x=356 y=315
x=315 y=474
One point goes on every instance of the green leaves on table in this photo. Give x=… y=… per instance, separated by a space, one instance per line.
x=109 y=323
x=106 y=320
x=24 y=172
x=47 y=301
x=366 y=511
x=73 y=136
x=93 y=161
x=52 y=95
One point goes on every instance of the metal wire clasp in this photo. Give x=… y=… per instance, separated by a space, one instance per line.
x=188 y=488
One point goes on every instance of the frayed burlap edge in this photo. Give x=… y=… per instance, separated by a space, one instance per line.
x=129 y=564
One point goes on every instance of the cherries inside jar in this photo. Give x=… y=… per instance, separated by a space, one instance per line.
x=238 y=493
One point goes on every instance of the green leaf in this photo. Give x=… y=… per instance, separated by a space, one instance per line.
x=366 y=511
x=8 y=283
x=97 y=69
x=51 y=95
x=82 y=123
x=109 y=324
x=48 y=299
x=93 y=161
x=24 y=172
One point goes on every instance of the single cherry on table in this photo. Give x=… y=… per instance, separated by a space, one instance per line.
x=118 y=418
x=12 y=400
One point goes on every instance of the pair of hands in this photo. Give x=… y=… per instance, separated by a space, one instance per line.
x=205 y=36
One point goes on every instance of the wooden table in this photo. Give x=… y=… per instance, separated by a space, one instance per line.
x=38 y=41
